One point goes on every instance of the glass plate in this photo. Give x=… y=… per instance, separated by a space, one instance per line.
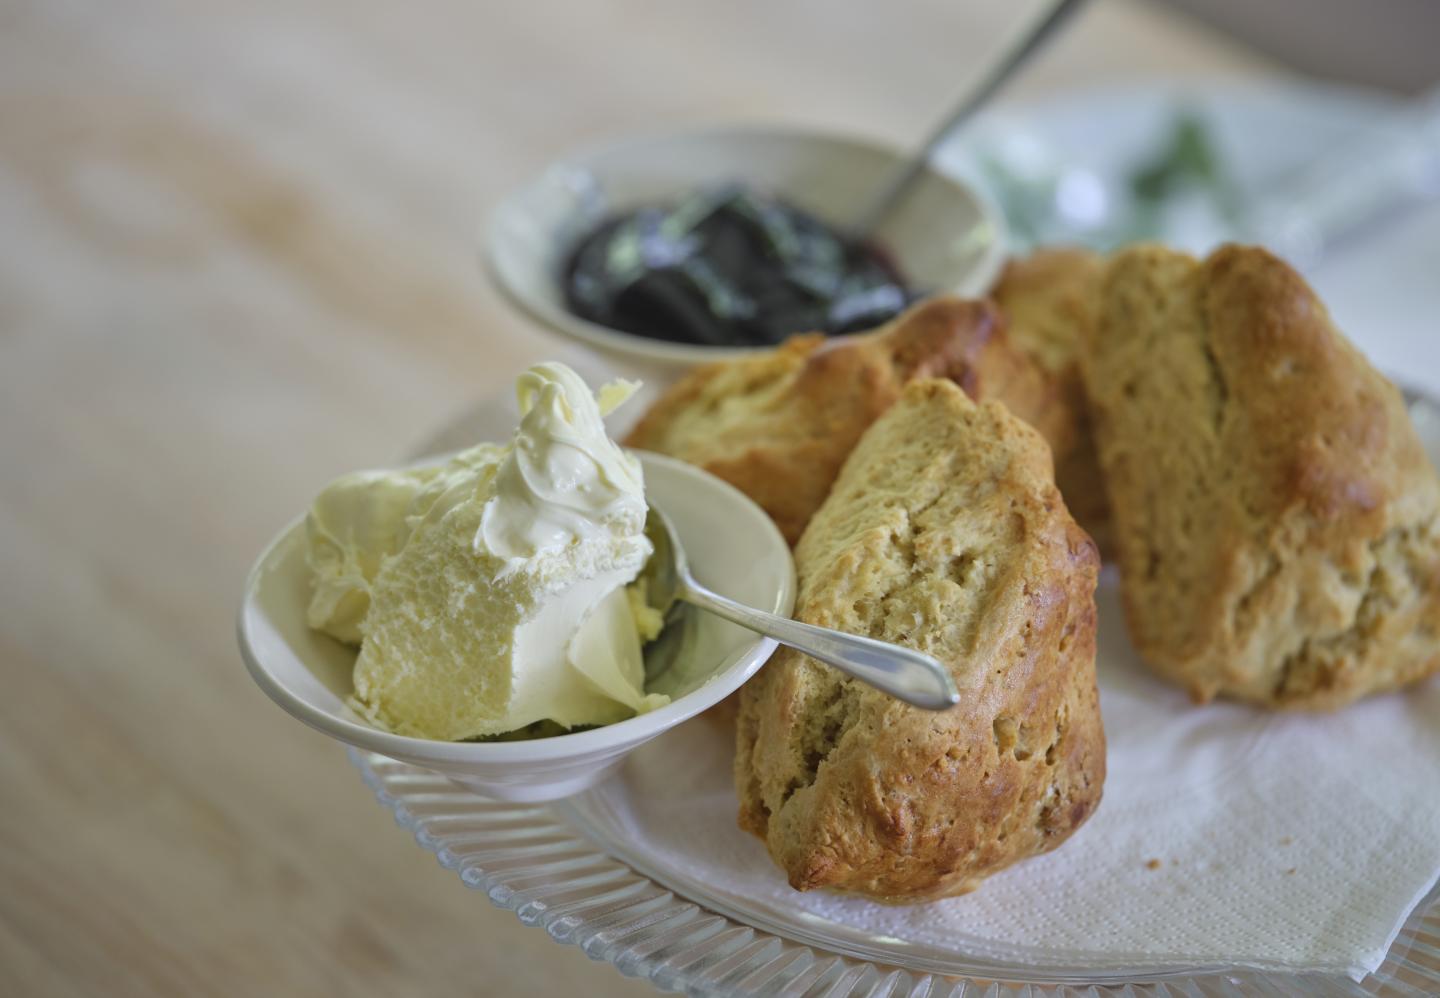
x=545 y=862
x=550 y=864
x=538 y=861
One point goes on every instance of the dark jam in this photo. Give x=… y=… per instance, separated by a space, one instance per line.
x=729 y=267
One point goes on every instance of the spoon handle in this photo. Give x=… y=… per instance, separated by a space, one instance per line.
x=898 y=183
x=904 y=674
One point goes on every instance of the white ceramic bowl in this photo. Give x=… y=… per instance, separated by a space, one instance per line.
x=945 y=236
x=733 y=548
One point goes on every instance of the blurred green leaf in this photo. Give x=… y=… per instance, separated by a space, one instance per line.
x=1187 y=158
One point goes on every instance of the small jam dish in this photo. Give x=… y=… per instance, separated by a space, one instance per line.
x=698 y=661
x=944 y=236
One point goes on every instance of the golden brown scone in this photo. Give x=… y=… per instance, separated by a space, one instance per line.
x=1048 y=300
x=779 y=424
x=945 y=533
x=1277 y=521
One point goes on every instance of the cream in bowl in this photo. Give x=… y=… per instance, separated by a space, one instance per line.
x=451 y=614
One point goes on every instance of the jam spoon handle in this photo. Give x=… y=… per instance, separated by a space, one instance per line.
x=897 y=184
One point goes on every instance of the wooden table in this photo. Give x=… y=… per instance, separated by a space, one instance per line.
x=237 y=257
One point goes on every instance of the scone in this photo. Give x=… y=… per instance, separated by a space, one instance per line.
x=1048 y=300
x=945 y=533
x=779 y=424
x=1277 y=521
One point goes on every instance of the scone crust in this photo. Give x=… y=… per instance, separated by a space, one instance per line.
x=944 y=532
x=1049 y=300
x=1278 y=522
x=779 y=424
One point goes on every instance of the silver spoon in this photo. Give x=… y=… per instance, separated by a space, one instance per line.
x=904 y=674
x=900 y=179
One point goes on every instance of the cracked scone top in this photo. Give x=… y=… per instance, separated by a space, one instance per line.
x=778 y=424
x=1276 y=518
x=945 y=533
x=488 y=593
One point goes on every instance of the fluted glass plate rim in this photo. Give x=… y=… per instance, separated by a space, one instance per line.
x=541 y=862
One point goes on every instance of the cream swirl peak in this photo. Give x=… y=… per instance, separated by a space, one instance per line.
x=564 y=480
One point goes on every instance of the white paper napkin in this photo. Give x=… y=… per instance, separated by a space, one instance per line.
x=1227 y=836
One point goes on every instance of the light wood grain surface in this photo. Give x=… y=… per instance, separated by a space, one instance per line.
x=237 y=258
